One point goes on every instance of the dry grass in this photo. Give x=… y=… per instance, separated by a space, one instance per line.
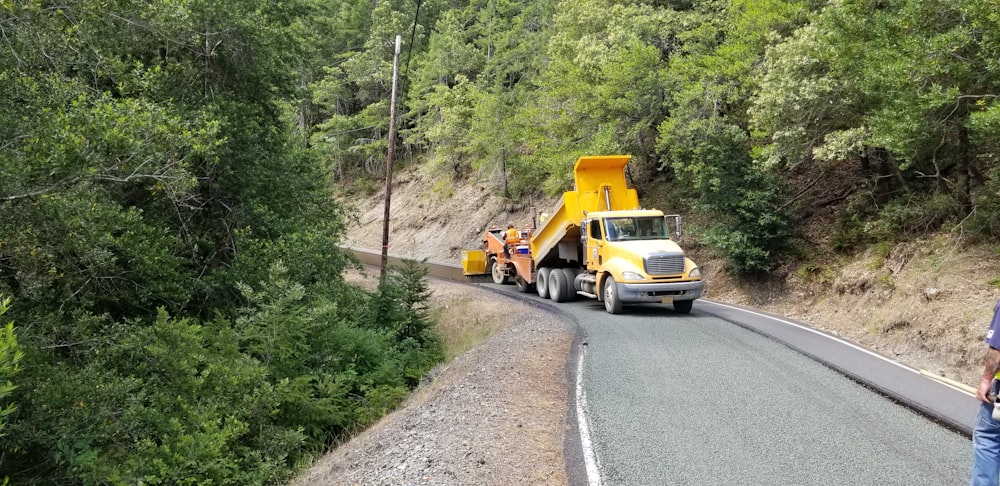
x=464 y=320
x=462 y=328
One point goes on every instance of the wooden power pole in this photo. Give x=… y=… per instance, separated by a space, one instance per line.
x=388 y=162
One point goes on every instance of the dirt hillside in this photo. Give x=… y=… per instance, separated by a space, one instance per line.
x=924 y=303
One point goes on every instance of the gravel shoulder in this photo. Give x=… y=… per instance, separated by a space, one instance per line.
x=497 y=414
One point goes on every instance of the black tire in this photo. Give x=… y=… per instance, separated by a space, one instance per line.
x=683 y=306
x=558 y=287
x=570 y=286
x=542 y=282
x=522 y=285
x=497 y=271
x=612 y=303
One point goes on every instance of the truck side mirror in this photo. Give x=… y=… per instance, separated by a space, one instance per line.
x=677 y=224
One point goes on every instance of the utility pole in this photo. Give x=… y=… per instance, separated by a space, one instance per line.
x=388 y=162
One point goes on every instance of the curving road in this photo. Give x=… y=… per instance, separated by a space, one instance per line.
x=727 y=395
x=696 y=399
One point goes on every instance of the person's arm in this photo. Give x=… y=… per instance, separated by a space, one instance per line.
x=990 y=368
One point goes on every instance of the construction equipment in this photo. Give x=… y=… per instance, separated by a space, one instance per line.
x=597 y=243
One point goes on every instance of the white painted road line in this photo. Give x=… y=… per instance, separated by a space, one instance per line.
x=839 y=340
x=589 y=458
x=818 y=333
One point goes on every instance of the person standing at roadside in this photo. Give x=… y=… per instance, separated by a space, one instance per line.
x=986 y=434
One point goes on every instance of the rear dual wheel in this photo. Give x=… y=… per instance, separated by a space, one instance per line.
x=542 y=282
x=561 y=284
x=557 y=285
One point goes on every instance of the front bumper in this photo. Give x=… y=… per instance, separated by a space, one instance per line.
x=656 y=292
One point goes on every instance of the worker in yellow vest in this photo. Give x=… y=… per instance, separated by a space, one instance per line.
x=510 y=237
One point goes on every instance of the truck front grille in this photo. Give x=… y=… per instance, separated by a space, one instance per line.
x=665 y=264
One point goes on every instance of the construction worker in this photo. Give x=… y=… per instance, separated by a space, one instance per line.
x=986 y=435
x=510 y=237
x=512 y=233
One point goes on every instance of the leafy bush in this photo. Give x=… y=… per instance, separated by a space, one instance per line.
x=912 y=215
x=862 y=223
x=848 y=231
x=752 y=231
x=227 y=401
x=985 y=220
x=10 y=357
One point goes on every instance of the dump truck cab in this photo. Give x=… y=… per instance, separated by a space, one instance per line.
x=634 y=252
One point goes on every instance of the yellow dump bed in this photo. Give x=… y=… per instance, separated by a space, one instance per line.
x=600 y=186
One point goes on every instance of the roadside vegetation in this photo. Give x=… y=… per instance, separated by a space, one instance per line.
x=169 y=245
x=791 y=127
x=168 y=173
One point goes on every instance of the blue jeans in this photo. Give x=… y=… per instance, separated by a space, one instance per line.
x=986 y=448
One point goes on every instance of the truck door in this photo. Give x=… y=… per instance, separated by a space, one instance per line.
x=595 y=241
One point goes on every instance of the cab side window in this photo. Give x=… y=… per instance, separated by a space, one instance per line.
x=595 y=230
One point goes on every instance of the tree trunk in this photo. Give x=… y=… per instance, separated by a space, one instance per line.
x=962 y=171
x=897 y=174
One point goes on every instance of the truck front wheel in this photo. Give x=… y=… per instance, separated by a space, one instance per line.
x=542 y=282
x=683 y=306
x=612 y=303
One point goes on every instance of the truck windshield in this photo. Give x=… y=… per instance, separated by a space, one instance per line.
x=636 y=228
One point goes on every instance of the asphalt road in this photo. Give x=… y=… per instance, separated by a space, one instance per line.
x=696 y=399
x=728 y=395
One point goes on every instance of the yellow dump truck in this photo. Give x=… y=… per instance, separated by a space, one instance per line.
x=597 y=243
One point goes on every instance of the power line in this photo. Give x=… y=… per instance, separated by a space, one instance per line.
x=413 y=33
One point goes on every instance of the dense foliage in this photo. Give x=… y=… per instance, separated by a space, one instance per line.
x=760 y=114
x=169 y=243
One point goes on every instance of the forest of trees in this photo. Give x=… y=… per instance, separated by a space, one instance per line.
x=172 y=308
x=759 y=113
x=168 y=246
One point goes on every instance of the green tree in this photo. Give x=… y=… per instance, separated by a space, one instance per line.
x=706 y=140
x=353 y=94
x=599 y=90
x=901 y=88
x=153 y=164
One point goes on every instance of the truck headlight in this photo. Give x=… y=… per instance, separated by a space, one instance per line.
x=632 y=276
x=695 y=273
